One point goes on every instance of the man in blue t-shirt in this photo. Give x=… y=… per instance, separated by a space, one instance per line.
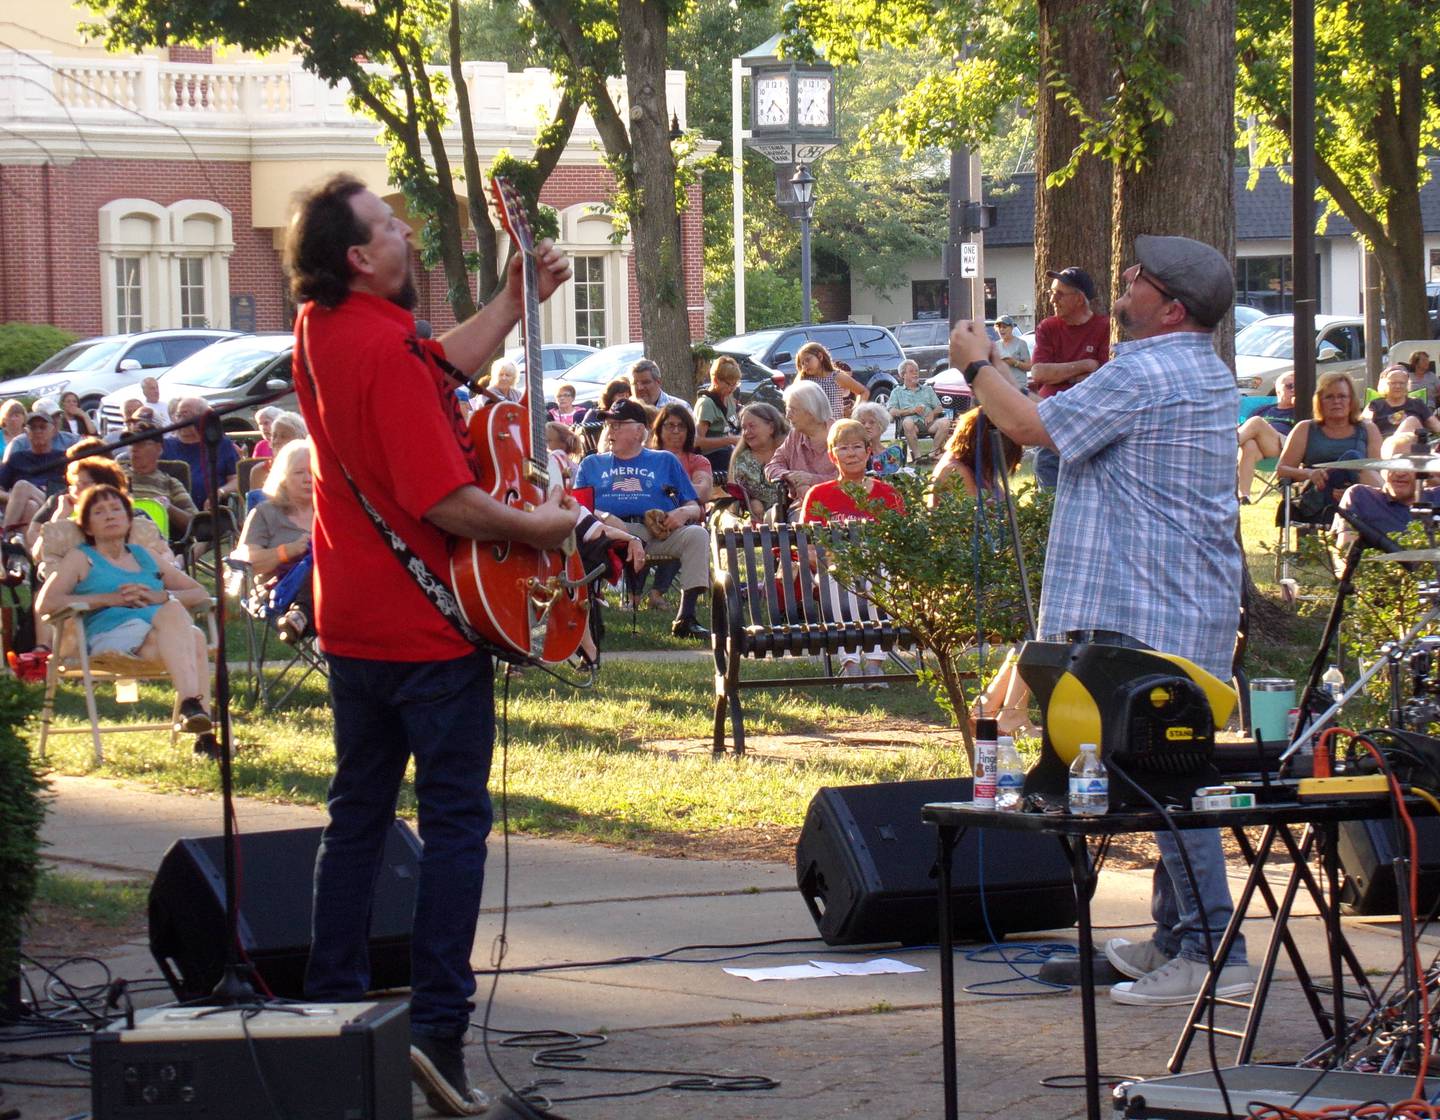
x=32 y=473
x=631 y=482
x=187 y=446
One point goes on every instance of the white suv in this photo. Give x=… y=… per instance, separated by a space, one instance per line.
x=96 y=366
x=1266 y=349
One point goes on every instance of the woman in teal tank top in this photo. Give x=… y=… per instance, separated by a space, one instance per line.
x=1336 y=432
x=137 y=606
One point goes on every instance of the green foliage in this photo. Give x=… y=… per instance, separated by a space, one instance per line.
x=22 y=809
x=948 y=573
x=771 y=299
x=23 y=346
x=495 y=31
x=544 y=221
x=1385 y=605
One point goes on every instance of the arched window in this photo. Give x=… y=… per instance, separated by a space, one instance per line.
x=164 y=266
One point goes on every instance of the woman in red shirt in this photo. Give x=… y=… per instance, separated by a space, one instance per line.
x=851 y=497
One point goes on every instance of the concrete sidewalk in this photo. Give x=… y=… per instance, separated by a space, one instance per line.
x=838 y=1047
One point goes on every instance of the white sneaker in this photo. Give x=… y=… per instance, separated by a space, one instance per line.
x=1134 y=958
x=1178 y=982
x=851 y=669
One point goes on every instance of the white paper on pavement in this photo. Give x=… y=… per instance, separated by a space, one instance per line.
x=815 y=969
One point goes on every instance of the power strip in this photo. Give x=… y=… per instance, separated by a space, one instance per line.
x=1343 y=788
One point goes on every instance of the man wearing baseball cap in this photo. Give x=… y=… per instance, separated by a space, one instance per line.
x=629 y=482
x=1069 y=346
x=1142 y=549
x=31 y=473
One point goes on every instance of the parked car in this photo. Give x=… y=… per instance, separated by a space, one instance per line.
x=555 y=357
x=927 y=341
x=871 y=352
x=1245 y=315
x=953 y=390
x=229 y=371
x=1266 y=349
x=758 y=382
x=96 y=366
x=591 y=374
x=1432 y=301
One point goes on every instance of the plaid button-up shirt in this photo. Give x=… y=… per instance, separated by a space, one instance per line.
x=1143 y=535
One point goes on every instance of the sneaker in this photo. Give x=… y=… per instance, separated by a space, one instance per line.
x=851 y=669
x=193 y=718
x=437 y=1065
x=1134 y=958
x=875 y=669
x=1178 y=982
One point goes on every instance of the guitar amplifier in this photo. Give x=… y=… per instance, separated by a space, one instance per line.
x=322 y=1061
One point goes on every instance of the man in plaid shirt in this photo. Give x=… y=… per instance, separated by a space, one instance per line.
x=1142 y=549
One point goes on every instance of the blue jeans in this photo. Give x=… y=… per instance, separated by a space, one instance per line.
x=1173 y=905
x=1047 y=468
x=443 y=714
x=1178 y=928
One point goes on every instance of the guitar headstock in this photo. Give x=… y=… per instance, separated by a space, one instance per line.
x=510 y=207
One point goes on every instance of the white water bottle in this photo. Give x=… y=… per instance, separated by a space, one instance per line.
x=985 y=750
x=1009 y=776
x=1089 y=784
x=1334 y=682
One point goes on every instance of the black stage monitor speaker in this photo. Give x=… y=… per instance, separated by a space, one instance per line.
x=1366 y=849
x=276 y=873
x=865 y=863
x=320 y=1061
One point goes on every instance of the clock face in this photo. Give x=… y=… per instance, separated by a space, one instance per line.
x=812 y=94
x=772 y=102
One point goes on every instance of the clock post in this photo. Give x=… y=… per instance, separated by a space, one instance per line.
x=792 y=124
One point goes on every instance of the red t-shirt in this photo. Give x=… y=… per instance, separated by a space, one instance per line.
x=828 y=502
x=390 y=417
x=1059 y=341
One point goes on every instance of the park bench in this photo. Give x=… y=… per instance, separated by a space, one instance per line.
x=766 y=603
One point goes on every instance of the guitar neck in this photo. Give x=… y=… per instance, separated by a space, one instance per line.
x=534 y=369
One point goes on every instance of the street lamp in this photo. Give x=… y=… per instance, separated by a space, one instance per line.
x=803 y=184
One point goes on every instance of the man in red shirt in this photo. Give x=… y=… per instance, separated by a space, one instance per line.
x=385 y=424
x=1069 y=346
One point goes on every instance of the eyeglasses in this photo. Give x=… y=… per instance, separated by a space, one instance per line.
x=673 y=425
x=1137 y=273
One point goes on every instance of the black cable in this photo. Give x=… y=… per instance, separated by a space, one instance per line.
x=246 y=1013
x=1204 y=927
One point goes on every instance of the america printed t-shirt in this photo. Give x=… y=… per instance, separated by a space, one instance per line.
x=629 y=487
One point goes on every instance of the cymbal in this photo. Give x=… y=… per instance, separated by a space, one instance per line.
x=1405 y=556
x=1420 y=464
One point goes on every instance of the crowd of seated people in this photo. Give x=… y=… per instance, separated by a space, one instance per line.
x=1387 y=508
x=1262 y=435
x=1334 y=432
x=276 y=536
x=969 y=459
x=1398 y=411
x=139 y=604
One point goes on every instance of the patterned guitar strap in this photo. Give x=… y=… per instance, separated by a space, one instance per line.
x=431 y=585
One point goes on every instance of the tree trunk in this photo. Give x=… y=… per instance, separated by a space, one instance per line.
x=1196 y=150
x=1072 y=222
x=654 y=219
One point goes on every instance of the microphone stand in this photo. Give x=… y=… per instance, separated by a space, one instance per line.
x=234 y=987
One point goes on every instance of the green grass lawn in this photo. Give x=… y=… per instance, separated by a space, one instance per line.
x=575 y=762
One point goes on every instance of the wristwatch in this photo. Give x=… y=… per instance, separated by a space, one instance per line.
x=973 y=370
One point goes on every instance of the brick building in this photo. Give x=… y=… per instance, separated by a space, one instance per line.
x=146 y=191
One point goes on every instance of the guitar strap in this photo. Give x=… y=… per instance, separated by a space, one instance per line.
x=432 y=586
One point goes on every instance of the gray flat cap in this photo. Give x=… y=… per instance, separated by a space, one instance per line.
x=1197 y=275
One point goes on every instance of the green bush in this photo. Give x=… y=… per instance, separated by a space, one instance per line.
x=22 y=808
x=23 y=346
x=948 y=574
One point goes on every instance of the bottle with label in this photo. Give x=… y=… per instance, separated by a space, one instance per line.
x=1334 y=683
x=1009 y=776
x=1089 y=784
x=985 y=748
